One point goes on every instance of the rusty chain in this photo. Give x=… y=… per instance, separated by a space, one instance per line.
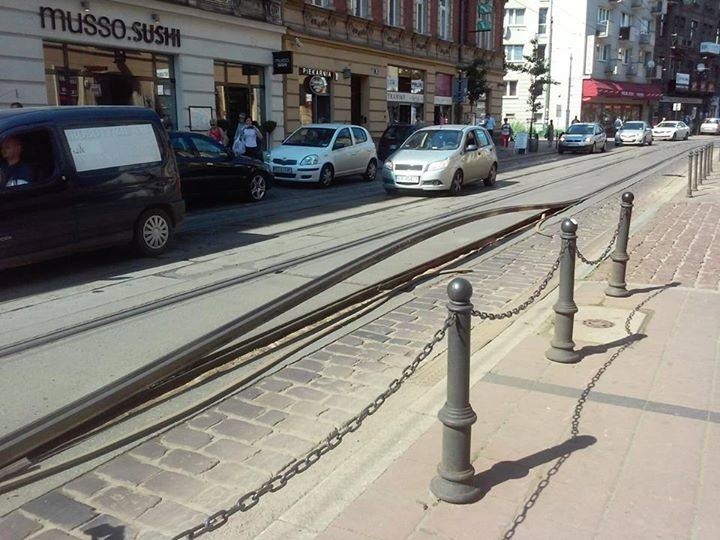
x=603 y=256
x=280 y=480
x=575 y=424
x=526 y=304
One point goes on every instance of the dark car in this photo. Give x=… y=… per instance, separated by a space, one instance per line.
x=393 y=137
x=207 y=168
x=78 y=178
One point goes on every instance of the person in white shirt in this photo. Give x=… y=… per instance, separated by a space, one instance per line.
x=250 y=136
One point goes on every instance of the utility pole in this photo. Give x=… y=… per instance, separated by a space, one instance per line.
x=567 y=110
x=549 y=61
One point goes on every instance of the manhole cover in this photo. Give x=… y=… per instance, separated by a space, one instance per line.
x=598 y=323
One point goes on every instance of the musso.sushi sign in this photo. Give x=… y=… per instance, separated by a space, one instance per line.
x=91 y=25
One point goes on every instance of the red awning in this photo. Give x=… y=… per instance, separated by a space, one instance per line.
x=593 y=88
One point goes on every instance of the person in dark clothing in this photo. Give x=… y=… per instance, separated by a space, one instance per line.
x=13 y=171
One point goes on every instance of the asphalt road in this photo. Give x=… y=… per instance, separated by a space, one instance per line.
x=296 y=234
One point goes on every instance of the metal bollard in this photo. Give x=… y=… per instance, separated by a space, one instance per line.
x=697 y=169
x=562 y=346
x=616 y=282
x=691 y=158
x=455 y=473
x=694 y=159
x=701 y=167
x=709 y=161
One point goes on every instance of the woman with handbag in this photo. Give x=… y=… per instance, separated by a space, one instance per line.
x=248 y=139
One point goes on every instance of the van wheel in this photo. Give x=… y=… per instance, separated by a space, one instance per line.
x=371 y=171
x=326 y=175
x=257 y=188
x=153 y=232
x=456 y=184
x=491 y=177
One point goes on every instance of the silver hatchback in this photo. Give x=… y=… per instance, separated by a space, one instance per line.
x=583 y=138
x=442 y=158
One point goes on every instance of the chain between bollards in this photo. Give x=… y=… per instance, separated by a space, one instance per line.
x=616 y=282
x=455 y=473
x=562 y=346
x=691 y=159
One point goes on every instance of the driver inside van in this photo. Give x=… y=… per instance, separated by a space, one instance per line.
x=13 y=171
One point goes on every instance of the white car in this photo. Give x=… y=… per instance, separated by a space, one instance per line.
x=634 y=132
x=710 y=126
x=442 y=158
x=321 y=152
x=671 y=130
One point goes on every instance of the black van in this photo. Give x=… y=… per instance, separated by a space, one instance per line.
x=78 y=178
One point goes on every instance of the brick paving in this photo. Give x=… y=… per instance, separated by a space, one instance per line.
x=190 y=471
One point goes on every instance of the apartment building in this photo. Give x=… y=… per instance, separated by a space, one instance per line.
x=373 y=62
x=601 y=56
x=687 y=54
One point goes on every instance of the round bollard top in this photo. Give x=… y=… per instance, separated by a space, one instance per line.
x=628 y=197
x=568 y=226
x=460 y=290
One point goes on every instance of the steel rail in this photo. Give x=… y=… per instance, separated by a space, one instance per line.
x=25 y=345
x=18 y=444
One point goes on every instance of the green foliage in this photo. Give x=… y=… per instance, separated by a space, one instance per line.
x=518 y=126
x=476 y=75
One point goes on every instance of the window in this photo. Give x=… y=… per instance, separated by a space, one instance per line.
x=182 y=147
x=482 y=138
x=514 y=17
x=208 y=148
x=392 y=12
x=28 y=159
x=421 y=15
x=627 y=59
x=359 y=134
x=624 y=19
x=444 y=19
x=621 y=56
x=320 y=3
x=343 y=139
x=645 y=26
x=542 y=21
x=603 y=15
x=693 y=29
x=513 y=53
x=360 y=8
x=510 y=88
x=603 y=53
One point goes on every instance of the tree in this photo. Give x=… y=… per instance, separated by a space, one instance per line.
x=476 y=74
x=539 y=70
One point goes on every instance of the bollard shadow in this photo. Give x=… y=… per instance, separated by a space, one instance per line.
x=655 y=288
x=106 y=531
x=512 y=470
x=589 y=350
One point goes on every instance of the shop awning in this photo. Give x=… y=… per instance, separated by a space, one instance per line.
x=595 y=88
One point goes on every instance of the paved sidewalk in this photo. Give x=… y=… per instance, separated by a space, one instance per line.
x=178 y=478
x=647 y=459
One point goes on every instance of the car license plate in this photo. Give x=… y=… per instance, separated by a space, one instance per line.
x=408 y=179
x=286 y=170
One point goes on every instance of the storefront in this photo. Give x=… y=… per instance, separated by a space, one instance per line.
x=187 y=64
x=443 y=99
x=606 y=101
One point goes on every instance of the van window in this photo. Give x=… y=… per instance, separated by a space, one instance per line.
x=95 y=148
x=26 y=158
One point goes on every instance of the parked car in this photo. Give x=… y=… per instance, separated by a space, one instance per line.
x=442 y=158
x=587 y=137
x=710 y=126
x=207 y=168
x=322 y=152
x=672 y=130
x=78 y=178
x=393 y=136
x=634 y=132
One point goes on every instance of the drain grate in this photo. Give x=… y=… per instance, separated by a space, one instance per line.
x=598 y=323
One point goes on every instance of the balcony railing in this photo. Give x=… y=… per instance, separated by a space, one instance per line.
x=611 y=68
x=624 y=32
x=603 y=29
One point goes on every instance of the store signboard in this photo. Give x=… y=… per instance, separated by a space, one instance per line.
x=708 y=47
x=282 y=62
x=112 y=146
x=405 y=97
x=320 y=72
x=682 y=81
x=443 y=100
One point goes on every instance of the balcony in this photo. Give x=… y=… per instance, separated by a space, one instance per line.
x=624 y=33
x=611 y=68
x=603 y=29
x=261 y=10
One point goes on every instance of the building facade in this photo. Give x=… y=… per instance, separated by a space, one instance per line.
x=688 y=60
x=374 y=62
x=190 y=60
x=601 y=56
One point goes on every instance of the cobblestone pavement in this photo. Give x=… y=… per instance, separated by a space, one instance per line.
x=178 y=478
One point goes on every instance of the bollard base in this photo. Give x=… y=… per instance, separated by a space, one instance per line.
x=563 y=356
x=455 y=492
x=617 y=292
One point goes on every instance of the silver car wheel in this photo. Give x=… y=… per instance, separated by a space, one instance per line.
x=257 y=187
x=155 y=232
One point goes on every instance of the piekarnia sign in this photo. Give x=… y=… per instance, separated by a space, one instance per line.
x=90 y=25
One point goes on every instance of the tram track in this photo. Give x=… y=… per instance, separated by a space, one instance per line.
x=210 y=347
x=25 y=345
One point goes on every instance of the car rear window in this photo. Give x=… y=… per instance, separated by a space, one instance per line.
x=105 y=147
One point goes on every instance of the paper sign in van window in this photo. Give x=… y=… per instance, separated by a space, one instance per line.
x=112 y=146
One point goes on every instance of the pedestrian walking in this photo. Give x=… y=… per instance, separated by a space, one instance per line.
x=490 y=124
x=217 y=133
x=575 y=120
x=247 y=140
x=506 y=133
x=550 y=134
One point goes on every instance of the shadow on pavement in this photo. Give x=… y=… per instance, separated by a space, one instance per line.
x=589 y=350
x=655 y=288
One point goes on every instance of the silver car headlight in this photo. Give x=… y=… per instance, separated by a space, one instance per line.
x=438 y=165
x=312 y=159
x=588 y=138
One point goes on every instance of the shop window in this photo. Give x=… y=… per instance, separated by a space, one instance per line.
x=27 y=159
x=315 y=104
x=239 y=92
x=85 y=75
